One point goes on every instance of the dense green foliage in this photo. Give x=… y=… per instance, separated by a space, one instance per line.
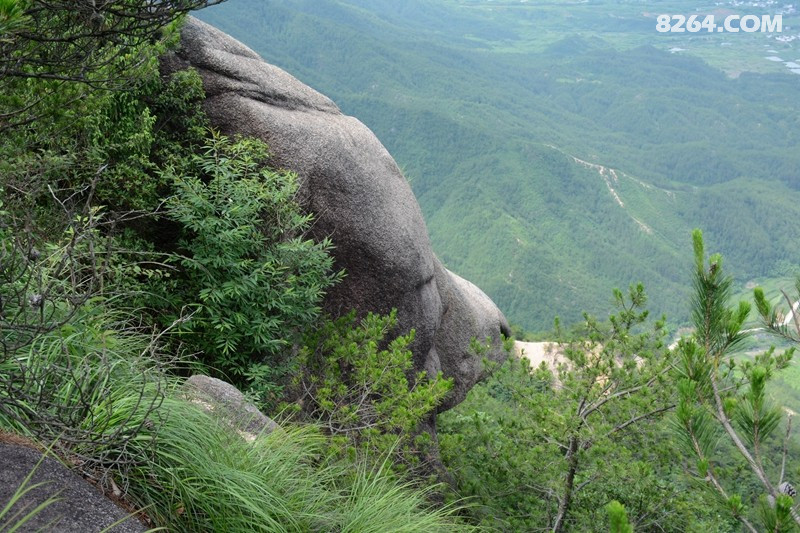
x=257 y=281
x=100 y=393
x=549 y=447
x=135 y=242
x=485 y=105
x=690 y=439
x=102 y=150
x=362 y=388
x=54 y=54
x=80 y=372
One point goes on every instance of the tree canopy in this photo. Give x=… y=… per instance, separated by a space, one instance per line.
x=96 y=44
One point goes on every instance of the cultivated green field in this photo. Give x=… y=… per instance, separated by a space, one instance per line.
x=628 y=24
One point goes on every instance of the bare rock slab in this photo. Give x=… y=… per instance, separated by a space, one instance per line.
x=81 y=507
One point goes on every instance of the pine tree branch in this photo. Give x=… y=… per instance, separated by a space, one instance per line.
x=598 y=404
x=734 y=436
x=715 y=482
x=785 y=449
x=737 y=441
x=569 y=481
x=633 y=420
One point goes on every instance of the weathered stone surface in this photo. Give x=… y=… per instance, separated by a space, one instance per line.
x=360 y=199
x=81 y=507
x=469 y=314
x=228 y=404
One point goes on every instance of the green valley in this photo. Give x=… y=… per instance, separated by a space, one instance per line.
x=560 y=149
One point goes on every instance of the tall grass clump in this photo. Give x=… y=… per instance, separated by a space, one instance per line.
x=378 y=502
x=203 y=477
x=68 y=384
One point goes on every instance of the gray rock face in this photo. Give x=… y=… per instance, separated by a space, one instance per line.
x=359 y=197
x=228 y=404
x=81 y=508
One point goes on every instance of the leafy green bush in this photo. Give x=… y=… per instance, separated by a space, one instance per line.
x=42 y=283
x=362 y=389
x=253 y=280
x=133 y=134
x=54 y=57
x=104 y=157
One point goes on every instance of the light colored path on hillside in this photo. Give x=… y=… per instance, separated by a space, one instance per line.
x=611 y=177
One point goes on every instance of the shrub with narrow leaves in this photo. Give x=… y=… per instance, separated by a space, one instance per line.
x=254 y=278
x=362 y=388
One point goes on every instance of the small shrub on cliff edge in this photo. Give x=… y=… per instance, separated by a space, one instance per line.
x=362 y=388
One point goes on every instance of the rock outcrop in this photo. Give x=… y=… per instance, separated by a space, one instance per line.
x=227 y=403
x=80 y=507
x=359 y=197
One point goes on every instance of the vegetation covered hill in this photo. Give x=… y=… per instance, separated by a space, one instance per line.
x=139 y=245
x=559 y=150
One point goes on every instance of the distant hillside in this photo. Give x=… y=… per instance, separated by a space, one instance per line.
x=548 y=176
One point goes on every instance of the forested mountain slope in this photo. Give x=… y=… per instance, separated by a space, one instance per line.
x=551 y=171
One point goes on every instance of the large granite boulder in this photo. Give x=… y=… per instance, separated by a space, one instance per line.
x=360 y=199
